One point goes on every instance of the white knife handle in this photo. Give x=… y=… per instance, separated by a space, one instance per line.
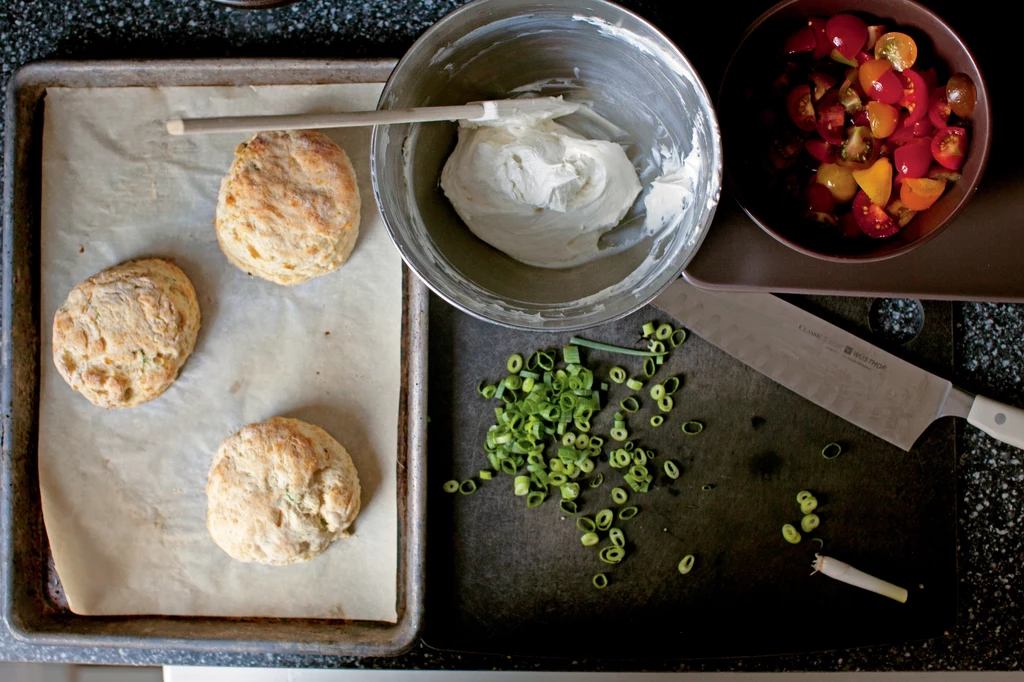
x=1000 y=421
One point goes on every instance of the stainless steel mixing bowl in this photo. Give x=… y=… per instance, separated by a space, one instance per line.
x=589 y=50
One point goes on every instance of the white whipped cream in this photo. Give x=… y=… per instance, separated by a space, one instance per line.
x=536 y=190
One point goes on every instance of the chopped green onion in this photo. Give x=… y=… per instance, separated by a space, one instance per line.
x=649 y=367
x=451 y=486
x=582 y=442
x=809 y=522
x=482 y=387
x=619 y=496
x=546 y=360
x=570 y=491
x=569 y=439
x=671 y=470
x=656 y=347
x=612 y=554
x=791 y=534
x=485 y=475
x=692 y=428
x=590 y=539
x=558 y=479
x=809 y=505
x=657 y=420
x=596 y=440
x=821 y=543
x=620 y=434
x=620 y=459
x=831 y=451
x=639 y=457
x=657 y=392
x=664 y=332
x=628 y=447
x=671 y=385
x=515 y=363
x=586 y=465
x=534 y=499
x=571 y=355
x=597 y=345
x=666 y=404
x=585 y=524
x=677 y=338
x=603 y=519
x=532 y=362
x=634 y=385
x=686 y=565
x=707 y=486
x=630 y=404
x=617 y=374
x=617 y=537
x=638 y=471
x=568 y=506
x=514 y=382
x=521 y=486
x=596 y=481
x=626 y=513
x=467 y=487
x=803 y=495
x=600 y=581
x=647 y=329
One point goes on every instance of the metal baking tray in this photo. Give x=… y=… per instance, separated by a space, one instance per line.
x=32 y=603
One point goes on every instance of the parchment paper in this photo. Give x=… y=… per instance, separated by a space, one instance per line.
x=123 y=491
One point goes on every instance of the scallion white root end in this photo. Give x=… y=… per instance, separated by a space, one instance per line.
x=846 y=573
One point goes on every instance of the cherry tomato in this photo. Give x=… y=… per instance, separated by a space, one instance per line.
x=914 y=159
x=931 y=79
x=823 y=218
x=785 y=150
x=949 y=147
x=847 y=33
x=831 y=120
x=849 y=97
x=837 y=56
x=863 y=57
x=876 y=181
x=838 y=180
x=823 y=151
x=937 y=172
x=920 y=193
x=923 y=128
x=903 y=134
x=900 y=213
x=822 y=45
x=822 y=84
x=961 y=95
x=915 y=95
x=938 y=108
x=859 y=149
x=872 y=218
x=819 y=198
x=861 y=117
x=882 y=118
x=879 y=82
x=874 y=33
x=801 y=41
x=800 y=108
x=898 y=48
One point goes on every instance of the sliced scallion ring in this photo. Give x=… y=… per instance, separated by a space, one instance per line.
x=634 y=385
x=809 y=505
x=664 y=332
x=692 y=428
x=603 y=519
x=677 y=338
x=568 y=506
x=686 y=565
x=629 y=404
x=647 y=329
x=467 y=487
x=596 y=481
x=617 y=537
x=612 y=554
x=620 y=459
x=666 y=404
x=515 y=363
x=657 y=420
x=671 y=470
x=534 y=499
x=791 y=534
x=649 y=367
x=657 y=392
x=626 y=513
x=617 y=374
x=803 y=495
x=451 y=486
x=619 y=496
x=809 y=522
x=707 y=486
x=569 y=439
x=831 y=451
x=585 y=524
x=620 y=434
x=671 y=385
x=600 y=581
x=590 y=539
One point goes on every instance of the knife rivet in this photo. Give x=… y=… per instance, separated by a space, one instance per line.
x=1000 y=418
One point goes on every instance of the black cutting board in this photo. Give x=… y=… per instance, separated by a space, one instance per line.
x=506 y=579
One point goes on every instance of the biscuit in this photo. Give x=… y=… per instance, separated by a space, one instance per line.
x=288 y=208
x=280 y=492
x=122 y=335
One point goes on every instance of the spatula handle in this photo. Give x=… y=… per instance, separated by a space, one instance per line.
x=1000 y=421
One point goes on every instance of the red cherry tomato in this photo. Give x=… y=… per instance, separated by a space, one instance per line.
x=863 y=57
x=938 y=108
x=949 y=147
x=800 y=108
x=915 y=95
x=847 y=33
x=874 y=33
x=879 y=81
x=913 y=160
x=872 y=218
x=831 y=123
x=822 y=45
x=821 y=150
x=801 y=41
x=819 y=198
x=923 y=128
x=822 y=84
x=931 y=79
x=861 y=118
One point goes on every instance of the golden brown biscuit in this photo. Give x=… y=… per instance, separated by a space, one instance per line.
x=122 y=335
x=288 y=209
x=280 y=492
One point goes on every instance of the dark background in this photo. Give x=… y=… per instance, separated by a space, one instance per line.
x=989 y=355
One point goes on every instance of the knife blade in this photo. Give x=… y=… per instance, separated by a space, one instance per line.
x=875 y=390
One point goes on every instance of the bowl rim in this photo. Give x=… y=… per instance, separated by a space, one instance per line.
x=737 y=192
x=715 y=188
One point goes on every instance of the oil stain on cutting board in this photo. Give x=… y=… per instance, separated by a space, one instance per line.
x=506 y=579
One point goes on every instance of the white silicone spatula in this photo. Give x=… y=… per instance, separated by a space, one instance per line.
x=491 y=110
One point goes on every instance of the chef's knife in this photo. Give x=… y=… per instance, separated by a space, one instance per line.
x=842 y=373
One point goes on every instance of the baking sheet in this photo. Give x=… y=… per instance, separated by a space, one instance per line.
x=123 y=492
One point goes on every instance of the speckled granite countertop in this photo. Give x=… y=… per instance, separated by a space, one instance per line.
x=989 y=352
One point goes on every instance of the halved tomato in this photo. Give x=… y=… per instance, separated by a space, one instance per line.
x=861 y=118
x=882 y=118
x=822 y=45
x=913 y=159
x=823 y=151
x=900 y=213
x=847 y=33
x=937 y=172
x=920 y=193
x=859 y=148
x=822 y=84
x=800 y=108
x=801 y=41
x=863 y=57
x=923 y=128
x=962 y=95
x=874 y=33
x=949 y=147
x=819 y=198
x=838 y=180
x=872 y=218
x=831 y=120
x=879 y=81
x=876 y=181
x=785 y=149
x=915 y=95
x=903 y=134
x=938 y=108
x=821 y=217
x=897 y=48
